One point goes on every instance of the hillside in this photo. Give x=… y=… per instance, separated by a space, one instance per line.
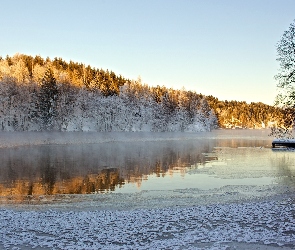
x=239 y=114
x=40 y=94
x=52 y=95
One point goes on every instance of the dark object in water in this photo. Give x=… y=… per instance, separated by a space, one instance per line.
x=283 y=143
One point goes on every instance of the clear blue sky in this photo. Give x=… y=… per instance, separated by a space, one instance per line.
x=226 y=48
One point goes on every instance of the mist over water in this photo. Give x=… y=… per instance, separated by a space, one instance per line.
x=89 y=163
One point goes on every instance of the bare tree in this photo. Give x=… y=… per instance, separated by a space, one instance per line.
x=286 y=82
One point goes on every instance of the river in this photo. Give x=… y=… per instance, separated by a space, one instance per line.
x=229 y=173
x=140 y=163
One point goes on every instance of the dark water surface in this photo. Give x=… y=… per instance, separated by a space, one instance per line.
x=203 y=161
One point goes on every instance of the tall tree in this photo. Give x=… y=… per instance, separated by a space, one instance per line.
x=47 y=100
x=286 y=75
x=286 y=81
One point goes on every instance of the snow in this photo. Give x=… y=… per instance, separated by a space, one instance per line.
x=23 y=108
x=216 y=226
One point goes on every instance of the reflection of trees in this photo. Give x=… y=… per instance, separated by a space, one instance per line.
x=158 y=169
x=12 y=175
x=48 y=173
x=106 y=180
x=80 y=169
x=284 y=164
x=48 y=178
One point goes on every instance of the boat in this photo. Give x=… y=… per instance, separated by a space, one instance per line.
x=290 y=143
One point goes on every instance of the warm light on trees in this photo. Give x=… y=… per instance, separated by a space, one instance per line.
x=43 y=94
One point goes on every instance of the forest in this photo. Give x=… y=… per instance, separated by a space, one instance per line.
x=239 y=114
x=40 y=94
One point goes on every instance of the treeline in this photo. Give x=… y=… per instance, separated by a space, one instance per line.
x=25 y=69
x=235 y=114
x=42 y=94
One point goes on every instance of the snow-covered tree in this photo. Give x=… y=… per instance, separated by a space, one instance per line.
x=38 y=94
x=48 y=101
x=286 y=82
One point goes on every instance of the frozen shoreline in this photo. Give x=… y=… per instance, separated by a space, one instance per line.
x=267 y=224
x=241 y=217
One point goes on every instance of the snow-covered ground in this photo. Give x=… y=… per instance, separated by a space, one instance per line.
x=237 y=217
x=257 y=225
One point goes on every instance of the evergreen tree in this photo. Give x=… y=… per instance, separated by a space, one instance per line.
x=47 y=101
x=85 y=98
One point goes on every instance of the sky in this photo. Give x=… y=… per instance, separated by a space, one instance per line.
x=224 y=48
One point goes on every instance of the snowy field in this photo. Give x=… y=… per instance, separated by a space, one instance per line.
x=230 y=217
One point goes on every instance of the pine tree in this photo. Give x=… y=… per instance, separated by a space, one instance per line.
x=47 y=101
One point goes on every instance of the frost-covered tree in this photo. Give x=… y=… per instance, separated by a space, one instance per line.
x=65 y=105
x=286 y=75
x=19 y=70
x=286 y=81
x=47 y=101
x=8 y=96
x=38 y=73
x=4 y=69
x=45 y=94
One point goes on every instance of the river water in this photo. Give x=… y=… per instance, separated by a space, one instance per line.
x=137 y=163
x=227 y=189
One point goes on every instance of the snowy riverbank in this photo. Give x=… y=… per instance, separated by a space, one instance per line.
x=268 y=224
x=240 y=217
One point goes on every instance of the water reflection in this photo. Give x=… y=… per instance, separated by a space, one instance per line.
x=96 y=168
x=92 y=168
x=284 y=162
